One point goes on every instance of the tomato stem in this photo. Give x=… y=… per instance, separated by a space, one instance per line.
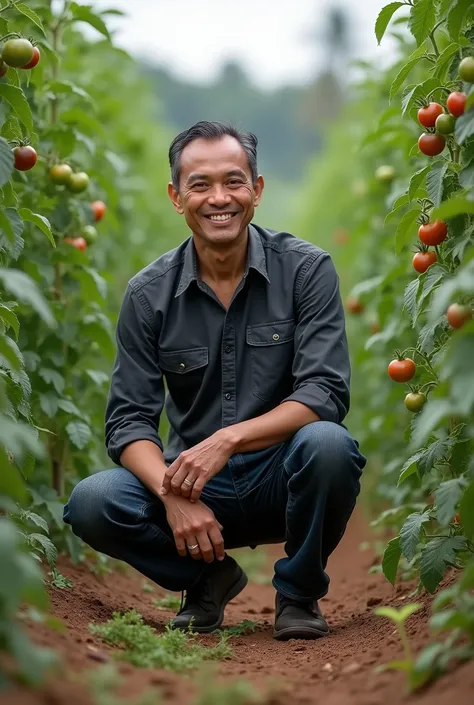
x=433 y=41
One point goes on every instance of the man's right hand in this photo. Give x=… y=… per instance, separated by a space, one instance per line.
x=194 y=524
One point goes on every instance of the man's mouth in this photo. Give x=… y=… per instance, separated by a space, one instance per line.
x=220 y=217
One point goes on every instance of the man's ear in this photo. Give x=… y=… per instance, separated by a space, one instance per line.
x=175 y=198
x=258 y=189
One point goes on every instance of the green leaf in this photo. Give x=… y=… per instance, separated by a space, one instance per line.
x=70 y=408
x=422 y=19
x=466 y=175
x=93 y=286
x=452 y=208
x=443 y=61
x=40 y=221
x=466 y=512
x=412 y=94
x=49 y=549
x=69 y=88
x=83 y=13
x=401 y=76
x=12 y=227
x=464 y=126
x=24 y=289
x=6 y=161
x=456 y=17
x=410 y=533
x=405 y=229
x=49 y=404
x=428 y=419
x=10 y=319
x=53 y=377
x=28 y=12
x=391 y=559
x=384 y=17
x=436 y=556
x=417 y=180
x=462 y=282
x=435 y=180
x=11 y=481
x=79 y=433
x=98 y=377
x=36 y=519
x=410 y=298
x=447 y=497
x=16 y=99
x=409 y=467
x=10 y=355
x=436 y=451
x=429 y=280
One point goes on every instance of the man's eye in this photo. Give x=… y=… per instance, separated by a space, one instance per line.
x=235 y=182
x=199 y=185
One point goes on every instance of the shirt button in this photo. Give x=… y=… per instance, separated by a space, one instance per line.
x=276 y=336
x=182 y=366
x=227 y=349
x=228 y=396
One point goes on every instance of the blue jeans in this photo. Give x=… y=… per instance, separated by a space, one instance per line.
x=302 y=492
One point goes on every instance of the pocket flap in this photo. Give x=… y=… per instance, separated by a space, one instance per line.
x=271 y=333
x=182 y=361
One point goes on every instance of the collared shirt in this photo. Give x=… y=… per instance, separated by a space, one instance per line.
x=281 y=339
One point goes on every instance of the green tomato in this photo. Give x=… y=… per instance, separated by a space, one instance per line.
x=78 y=182
x=385 y=173
x=89 y=233
x=445 y=124
x=466 y=69
x=60 y=173
x=415 y=401
x=17 y=52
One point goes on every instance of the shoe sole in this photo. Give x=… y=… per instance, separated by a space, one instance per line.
x=299 y=633
x=233 y=592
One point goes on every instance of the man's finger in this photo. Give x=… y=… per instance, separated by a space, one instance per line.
x=206 y=547
x=197 y=488
x=194 y=549
x=187 y=485
x=176 y=481
x=218 y=543
x=169 y=474
x=180 y=545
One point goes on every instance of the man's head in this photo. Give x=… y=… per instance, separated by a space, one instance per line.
x=214 y=180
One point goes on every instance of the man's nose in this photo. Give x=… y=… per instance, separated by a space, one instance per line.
x=219 y=196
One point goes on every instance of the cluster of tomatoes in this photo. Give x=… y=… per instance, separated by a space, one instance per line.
x=18 y=53
x=432 y=116
x=89 y=233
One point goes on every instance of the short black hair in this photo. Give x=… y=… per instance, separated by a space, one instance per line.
x=211 y=131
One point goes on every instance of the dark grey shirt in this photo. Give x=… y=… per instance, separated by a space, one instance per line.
x=282 y=338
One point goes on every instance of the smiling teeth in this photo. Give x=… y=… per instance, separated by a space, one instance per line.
x=228 y=216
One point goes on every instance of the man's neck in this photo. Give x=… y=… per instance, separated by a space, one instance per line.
x=219 y=265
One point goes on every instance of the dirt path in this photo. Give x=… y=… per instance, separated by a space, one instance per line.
x=338 y=670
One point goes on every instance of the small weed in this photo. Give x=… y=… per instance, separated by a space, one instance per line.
x=143 y=647
x=246 y=626
x=399 y=617
x=60 y=581
x=168 y=602
x=104 y=680
x=147 y=587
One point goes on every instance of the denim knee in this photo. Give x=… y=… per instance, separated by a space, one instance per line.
x=85 y=510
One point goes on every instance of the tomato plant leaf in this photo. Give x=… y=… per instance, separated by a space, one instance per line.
x=70 y=408
x=52 y=377
x=6 y=161
x=84 y=13
x=447 y=496
x=435 y=181
x=466 y=512
x=406 y=228
x=12 y=226
x=31 y=14
x=49 y=403
x=428 y=281
x=40 y=221
x=416 y=181
x=391 y=559
x=384 y=17
x=464 y=126
x=444 y=60
x=436 y=556
x=49 y=549
x=422 y=19
x=79 y=433
x=37 y=520
x=436 y=411
x=452 y=208
x=410 y=533
x=456 y=17
x=69 y=88
x=24 y=288
x=410 y=466
x=16 y=99
x=409 y=298
x=9 y=319
x=466 y=175
x=402 y=75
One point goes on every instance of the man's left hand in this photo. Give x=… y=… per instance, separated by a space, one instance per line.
x=193 y=468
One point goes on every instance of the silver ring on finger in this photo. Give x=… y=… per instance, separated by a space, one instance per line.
x=193 y=548
x=187 y=482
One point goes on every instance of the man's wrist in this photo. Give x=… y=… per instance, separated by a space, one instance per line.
x=231 y=437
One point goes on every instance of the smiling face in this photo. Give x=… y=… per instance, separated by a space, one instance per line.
x=216 y=194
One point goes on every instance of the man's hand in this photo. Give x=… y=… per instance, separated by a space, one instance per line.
x=194 y=467
x=195 y=529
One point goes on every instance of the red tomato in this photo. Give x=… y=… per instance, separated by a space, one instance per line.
x=99 y=209
x=354 y=305
x=423 y=260
x=34 y=60
x=431 y=144
x=433 y=233
x=402 y=370
x=457 y=315
x=25 y=158
x=456 y=103
x=427 y=115
x=78 y=242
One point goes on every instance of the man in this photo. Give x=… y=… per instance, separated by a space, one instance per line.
x=246 y=327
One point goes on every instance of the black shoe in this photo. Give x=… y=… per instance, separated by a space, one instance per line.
x=203 y=609
x=298 y=620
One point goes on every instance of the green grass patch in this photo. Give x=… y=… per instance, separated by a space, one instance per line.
x=168 y=602
x=142 y=646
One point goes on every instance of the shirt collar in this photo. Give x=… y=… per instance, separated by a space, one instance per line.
x=256 y=260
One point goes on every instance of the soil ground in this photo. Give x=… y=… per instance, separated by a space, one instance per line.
x=336 y=670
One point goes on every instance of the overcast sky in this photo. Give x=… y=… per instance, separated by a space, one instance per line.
x=266 y=36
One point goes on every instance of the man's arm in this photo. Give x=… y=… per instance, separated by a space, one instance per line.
x=321 y=390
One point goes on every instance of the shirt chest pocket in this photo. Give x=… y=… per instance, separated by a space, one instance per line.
x=271 y=358
x=184 y=372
